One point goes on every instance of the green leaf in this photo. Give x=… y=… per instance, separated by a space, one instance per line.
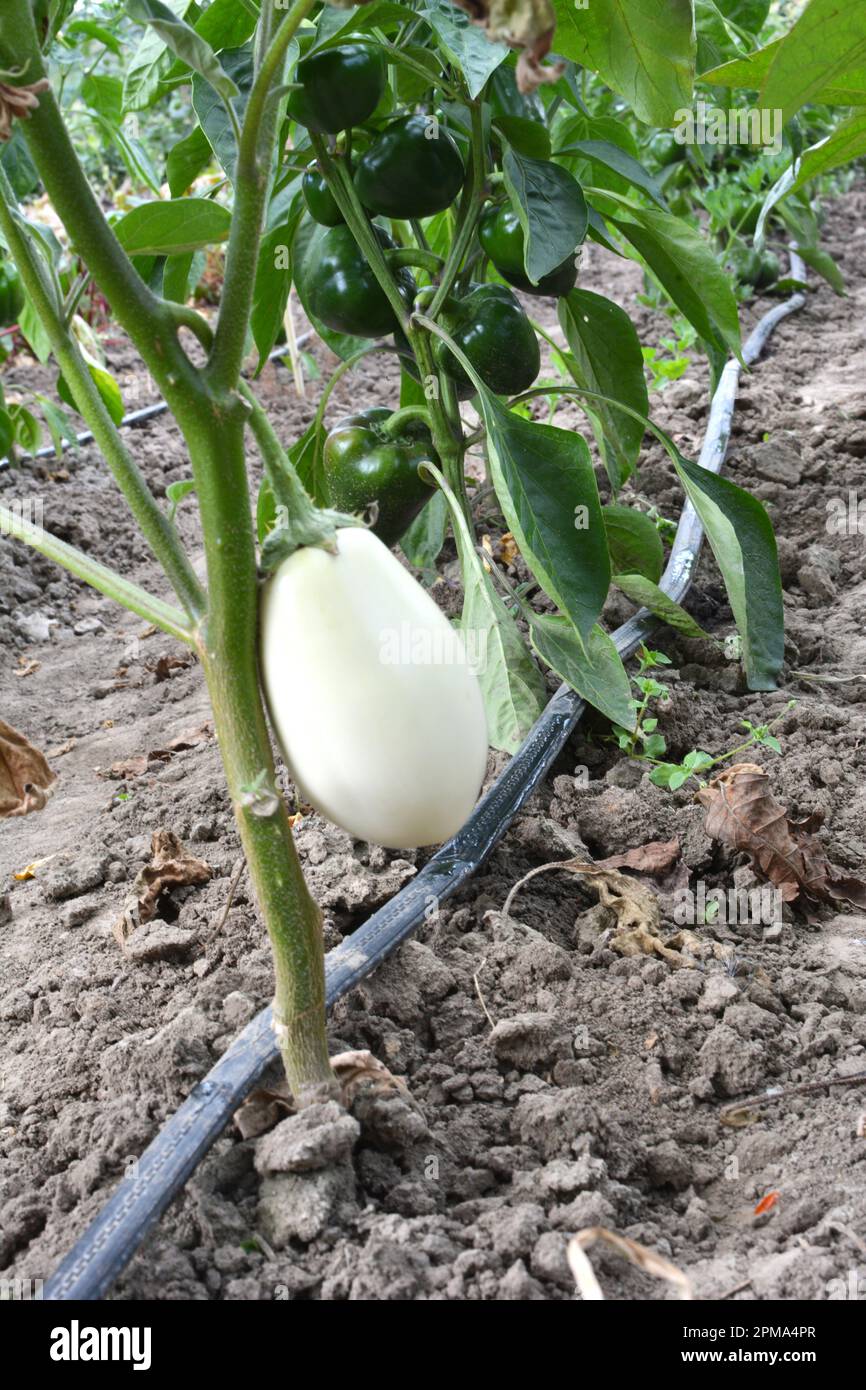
x=643 y=49
x=34 y=332
x=607 y=357
x=512 y=686
x=28 y=430
x=546 y=486
x=689 y=270
x=610 y=156
x=423 y=542
x=104 y=94
x=185 y=161
x=185 y=44
x=593 y=667
x=60 y=427
x=273 y=282
x=747 y=14
x=92 y=30
x=828 y=39
x=463 y=43
x=306 y=455
x=168 y=228
x=633 y=541
x=741 y=536
x=132 y=152
x=226 y=24
x=211 y=111
x=642 y=591
x=526 y=136
x=822 y=262
x=552 y=210
x=175 y=277
x=7 y=432
x=149 y=64
x=105 y=385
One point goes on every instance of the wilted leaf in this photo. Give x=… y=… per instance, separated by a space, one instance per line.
x=743 y=814
x=25 y=777
x=171 y=866
x=525 y=24
x=639 y=1255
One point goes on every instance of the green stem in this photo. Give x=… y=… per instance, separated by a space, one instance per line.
x=107 y=581
x=471 y=205
x=155 y=526
x=412 y=255
x=252 y=179
x=408 y=415
x=229 y=654
x=339 y=181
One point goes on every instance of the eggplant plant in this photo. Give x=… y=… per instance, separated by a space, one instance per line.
x=406 y=172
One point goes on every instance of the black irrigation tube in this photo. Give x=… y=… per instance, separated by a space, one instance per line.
x=89 y=1269
x=136 y=417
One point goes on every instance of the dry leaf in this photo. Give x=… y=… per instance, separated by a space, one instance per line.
x=639 y=1255
x=356 y=1071
x=29 y=871
x=27 y=667
x=17 y=103
x=171 y=866
x=525 y=24
x=64 y=748
x=360 y=1071
x=263 y=1109
x=656 y=858
x=743 y=814
x=128 y=768
x=25 y=777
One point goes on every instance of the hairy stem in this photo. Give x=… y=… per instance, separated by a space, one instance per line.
x=252 y=178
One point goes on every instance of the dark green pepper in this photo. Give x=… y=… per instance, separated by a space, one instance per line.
x=320 y=201
x=365 y=462
x=341 y=87
x=493 y=331
x=665 y=149
x=11 y=294
x=412 y=169
x=339 y=288
x=502 y=239
x=760 y=269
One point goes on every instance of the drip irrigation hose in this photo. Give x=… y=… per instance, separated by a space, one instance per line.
x=136 y=417
x=89 y=1269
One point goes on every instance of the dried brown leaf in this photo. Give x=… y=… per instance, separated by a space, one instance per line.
x=743 y=814
x=656 y=858
x=25 y=777
x=639 y=1255
x=18 y=103
x=171 y=866
x=525 y=24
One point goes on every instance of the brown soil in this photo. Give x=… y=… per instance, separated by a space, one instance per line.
x=596 y=1099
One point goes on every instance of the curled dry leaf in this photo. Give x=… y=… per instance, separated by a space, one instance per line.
x=25 y=777
x=17 y=103
x=357 y=1072
x=171 y=866
x=743 y=814
x=525 y=24
x=639 y=1255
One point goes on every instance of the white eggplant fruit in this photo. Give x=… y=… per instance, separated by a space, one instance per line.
x=376 y=708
